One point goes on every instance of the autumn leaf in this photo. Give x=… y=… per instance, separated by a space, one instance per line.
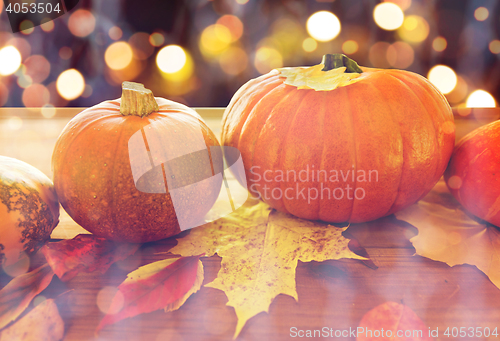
x=446 y=233
x=391 y=321
x=42 y=323
x=85 y=253
x=165 y=284
x=18 y=293
x=314 y=77
x=260 y=249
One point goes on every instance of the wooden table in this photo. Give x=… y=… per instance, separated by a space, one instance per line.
x=333 y=294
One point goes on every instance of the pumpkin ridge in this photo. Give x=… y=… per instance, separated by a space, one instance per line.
x=447 y=116
x=321 y=158
x=261 y=122
x=424 y=109
x=352 y=113
x=113 y=186
x=232 y=108
x=290 y=91
x=75 y=129
x=402 y=148
x=237 y=96
x=284 y=144
x=323 y=148
x=253 y=103
x=440 y=165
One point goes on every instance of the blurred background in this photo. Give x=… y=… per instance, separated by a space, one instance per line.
x=200 y=52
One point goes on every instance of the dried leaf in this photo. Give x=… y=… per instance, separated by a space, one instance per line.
x=447 y=234
x=390 y=321
x=260 y=249
x=165 y=284
x=314 y=78
x=41 y=323
x=85 y=253
x=18 y=293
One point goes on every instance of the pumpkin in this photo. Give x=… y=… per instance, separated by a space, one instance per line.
x=137 y=169
x=473 y=174
x=338 y=142
x=29 y=210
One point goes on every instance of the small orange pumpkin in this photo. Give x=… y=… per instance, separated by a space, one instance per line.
x=338 y=142
x=473 y=174
x=29 y=209
x=111 y=175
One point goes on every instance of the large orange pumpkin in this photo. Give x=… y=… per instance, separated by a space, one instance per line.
x=29 y=210
x=473 y=174
x=138 y=168
x=338 y=142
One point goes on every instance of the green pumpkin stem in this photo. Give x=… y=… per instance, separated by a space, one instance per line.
x=337 y=60
x=137 y=100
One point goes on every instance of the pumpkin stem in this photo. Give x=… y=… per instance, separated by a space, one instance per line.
x=337 y=60
x=137 y=100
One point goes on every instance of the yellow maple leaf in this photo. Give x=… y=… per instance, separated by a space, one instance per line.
x=260 y=249
x=447 y=234
x=314 y=78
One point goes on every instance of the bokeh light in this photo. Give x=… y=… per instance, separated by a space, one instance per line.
x=156 y=39
x=481 y=13
x=4 y=94
x=171 y=58
x=48 y=25
x=65 y=52
x=378 y=55
x=48 y=111
x=266 y=59
x=415 y=29
x=214 y=40
x=175 y=63
x=36 y=96
x=22 y=45
x=350 y=47
x=70 y=84
x=15 y=123
x=323 y=26
x=10 y=60
x=117 y=77
x=309 y=44
x=26 y=27
x=439 y=44
x=234 y=24
x=494 y=46
x=443 y=77
x=24 y=80
x=400 y=55
x=241 y=2
x=404 y=4
x=460 y=92
x=118 y=55
x=38 y=68
x=233 y=61
x=388 y=16
x=139 y=42
x=106 y=296
x=87 y=92
x=287 y=36
x=115 y=33
x=81 y=23
x=480 y=99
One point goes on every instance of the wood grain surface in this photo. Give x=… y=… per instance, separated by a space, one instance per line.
x=332 y=295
